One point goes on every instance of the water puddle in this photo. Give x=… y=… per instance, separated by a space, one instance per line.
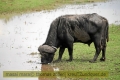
x=21 y=35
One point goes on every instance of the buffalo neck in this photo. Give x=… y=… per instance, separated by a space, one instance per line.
x=52 y=35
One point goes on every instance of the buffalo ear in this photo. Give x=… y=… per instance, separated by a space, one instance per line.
x=47 y=49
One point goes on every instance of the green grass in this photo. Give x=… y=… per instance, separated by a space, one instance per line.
x=11 y=7
x=24 y=5
x=82 y=54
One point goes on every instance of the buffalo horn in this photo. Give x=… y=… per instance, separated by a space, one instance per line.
x=46 y=48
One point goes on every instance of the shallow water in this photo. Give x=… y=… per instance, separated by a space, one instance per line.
x=21 y=35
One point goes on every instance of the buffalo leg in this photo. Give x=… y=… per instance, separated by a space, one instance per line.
x=103 y=53
x=98 y=50
x=61 y=51
x=69 y=41
x=70 y=50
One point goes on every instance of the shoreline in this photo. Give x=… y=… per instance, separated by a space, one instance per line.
x=14 y=7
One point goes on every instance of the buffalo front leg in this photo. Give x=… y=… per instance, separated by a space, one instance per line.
x=61 y=51
x=70 y=50
x=69 y=41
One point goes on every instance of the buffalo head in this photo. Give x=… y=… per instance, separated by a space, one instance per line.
x=47 y=53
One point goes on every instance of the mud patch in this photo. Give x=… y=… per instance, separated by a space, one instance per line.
x=34 y=53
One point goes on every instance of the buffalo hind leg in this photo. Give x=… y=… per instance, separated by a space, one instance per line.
x=103 y=53
x=96 y=55
x=98 y=50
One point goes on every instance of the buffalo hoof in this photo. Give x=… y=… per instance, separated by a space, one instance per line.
x=56 y=61
x=69 y=60
x=102 y=59
x=92 y=61
x=43 y=63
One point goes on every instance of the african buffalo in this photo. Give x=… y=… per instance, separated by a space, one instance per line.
x=67 y=29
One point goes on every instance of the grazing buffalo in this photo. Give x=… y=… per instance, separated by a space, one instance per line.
x=67 y=29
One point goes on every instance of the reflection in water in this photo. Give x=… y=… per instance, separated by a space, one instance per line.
x=49 y=68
